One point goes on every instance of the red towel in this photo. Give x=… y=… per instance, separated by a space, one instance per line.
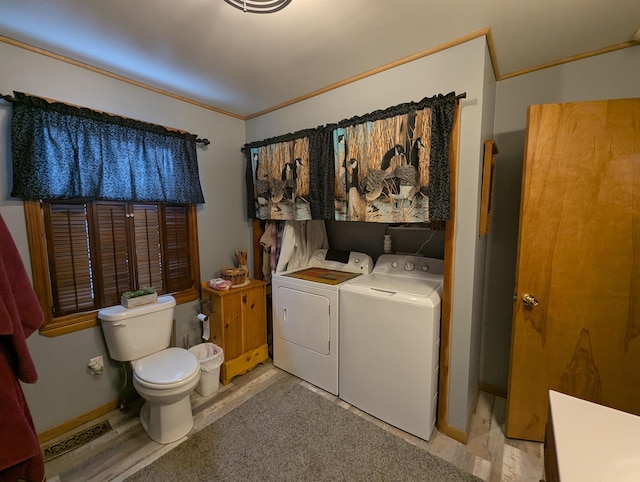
x=20 y=316
x=20 y=312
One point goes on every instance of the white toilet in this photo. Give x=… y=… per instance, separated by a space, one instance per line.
x=163 y=376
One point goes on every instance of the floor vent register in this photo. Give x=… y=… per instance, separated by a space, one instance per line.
x=75 y=440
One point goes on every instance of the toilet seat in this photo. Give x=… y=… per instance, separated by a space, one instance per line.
x=166 y=369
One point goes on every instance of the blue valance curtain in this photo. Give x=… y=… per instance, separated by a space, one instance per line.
x=65 y=152
x=387 y=166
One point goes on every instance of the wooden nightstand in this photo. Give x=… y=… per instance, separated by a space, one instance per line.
x=238 y=325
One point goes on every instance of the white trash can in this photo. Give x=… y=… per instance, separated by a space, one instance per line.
x=210 y=357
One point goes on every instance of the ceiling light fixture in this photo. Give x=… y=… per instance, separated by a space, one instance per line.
x=259 y=6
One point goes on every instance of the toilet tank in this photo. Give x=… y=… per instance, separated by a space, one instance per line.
x=133 y=333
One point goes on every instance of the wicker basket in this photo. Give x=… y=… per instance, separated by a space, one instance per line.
x=237 y=276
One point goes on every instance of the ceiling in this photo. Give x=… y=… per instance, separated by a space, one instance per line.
x=240 y=63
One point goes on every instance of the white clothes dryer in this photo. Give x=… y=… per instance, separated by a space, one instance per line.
x=306 y=315
x=390 y=342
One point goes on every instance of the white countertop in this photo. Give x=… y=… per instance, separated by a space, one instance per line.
x=593 y=442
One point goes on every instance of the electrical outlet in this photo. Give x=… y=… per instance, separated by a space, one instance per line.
x=96 y=365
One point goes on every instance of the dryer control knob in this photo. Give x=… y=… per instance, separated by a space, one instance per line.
x=409 y=266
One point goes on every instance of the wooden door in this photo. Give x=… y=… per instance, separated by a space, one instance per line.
x=579 y=259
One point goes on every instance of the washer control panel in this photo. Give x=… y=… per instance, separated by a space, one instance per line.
x=408 y=265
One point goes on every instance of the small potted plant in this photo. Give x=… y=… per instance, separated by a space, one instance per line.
x=143 y=296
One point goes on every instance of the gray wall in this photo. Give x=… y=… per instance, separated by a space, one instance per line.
x=367 y=238
x=65 y=389
x=609 y=76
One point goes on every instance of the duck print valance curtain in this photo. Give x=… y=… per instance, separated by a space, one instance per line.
x=281 y=181
x=291 y=176
x=383 y=169
x=388 y=166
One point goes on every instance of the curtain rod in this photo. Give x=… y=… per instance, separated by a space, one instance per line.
x=305 y=132
x=13 y=99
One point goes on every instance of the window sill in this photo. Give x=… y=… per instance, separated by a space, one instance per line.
x=64 y=325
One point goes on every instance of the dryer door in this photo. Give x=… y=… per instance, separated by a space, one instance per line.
x=304 y=319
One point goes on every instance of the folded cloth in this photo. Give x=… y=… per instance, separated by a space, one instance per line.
x=20 y=316
x=219 y=284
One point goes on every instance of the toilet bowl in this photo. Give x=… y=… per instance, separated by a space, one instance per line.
x=164 y=376
x=165 y=380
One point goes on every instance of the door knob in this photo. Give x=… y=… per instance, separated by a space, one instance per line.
x=529 y=300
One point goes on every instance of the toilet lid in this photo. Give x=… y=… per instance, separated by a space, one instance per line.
x=167 y=366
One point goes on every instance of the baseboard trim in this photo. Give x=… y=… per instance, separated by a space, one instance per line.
x=496 y=390
x=74 y=423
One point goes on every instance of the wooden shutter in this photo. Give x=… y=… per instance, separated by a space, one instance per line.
x=69 y=253
x=96 y=250
x=177 y=259
x=115 y=272
x=148 y=246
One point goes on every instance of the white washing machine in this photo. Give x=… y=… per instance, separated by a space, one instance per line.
x=390 y=342
x=306 y=315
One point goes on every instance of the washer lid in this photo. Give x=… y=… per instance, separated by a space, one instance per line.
x=167 y=366
x=397 y=284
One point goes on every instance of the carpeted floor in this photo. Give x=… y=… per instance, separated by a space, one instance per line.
x=289 y=433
